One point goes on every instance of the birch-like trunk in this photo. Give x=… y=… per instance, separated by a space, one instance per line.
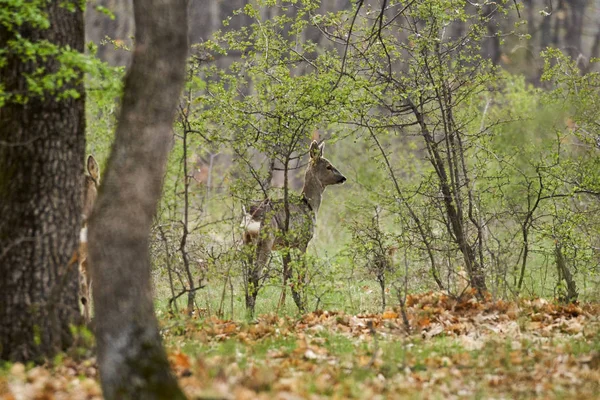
x=133 y=363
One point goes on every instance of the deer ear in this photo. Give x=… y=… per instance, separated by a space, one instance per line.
x=93 y=168
x=315 y=150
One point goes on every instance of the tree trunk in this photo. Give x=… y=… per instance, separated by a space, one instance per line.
x=42 y=146
x=565 y=274
x=381 y=279
x=574 y=27
x=492 y=42
x=451 y=197
x=132 y=361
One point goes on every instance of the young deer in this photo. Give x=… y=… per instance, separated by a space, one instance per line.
x=273 y=225
x=90 y=192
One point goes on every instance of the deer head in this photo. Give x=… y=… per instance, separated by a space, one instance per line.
x=319 y=174
x=321 y=168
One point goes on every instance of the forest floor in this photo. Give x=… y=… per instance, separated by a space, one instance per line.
x=455 y=349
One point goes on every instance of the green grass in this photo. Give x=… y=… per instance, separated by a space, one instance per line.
x=349 y=362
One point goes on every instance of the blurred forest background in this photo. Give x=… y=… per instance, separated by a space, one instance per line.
x=468 y=132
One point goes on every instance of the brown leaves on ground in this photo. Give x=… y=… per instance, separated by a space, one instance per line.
x=67 y=380
x=456 y=348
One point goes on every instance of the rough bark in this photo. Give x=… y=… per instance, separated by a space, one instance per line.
x=42 y=145
x=133 y=363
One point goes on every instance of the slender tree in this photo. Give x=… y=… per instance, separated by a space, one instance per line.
x=42 y=144
x=133 y=363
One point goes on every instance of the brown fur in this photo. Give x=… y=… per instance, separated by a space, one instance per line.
x=267 y=220
x=91 y=181
x=303 y=210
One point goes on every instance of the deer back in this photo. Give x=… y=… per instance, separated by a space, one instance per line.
x=300 y=225
x=298 y=221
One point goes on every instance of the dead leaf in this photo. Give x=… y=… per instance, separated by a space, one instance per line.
x=434 y=331
x=389 y=315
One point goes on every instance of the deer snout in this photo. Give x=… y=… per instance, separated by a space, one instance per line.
x=342 y=179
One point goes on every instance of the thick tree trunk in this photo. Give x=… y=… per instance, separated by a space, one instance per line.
x=42 y=146
x=133 y=363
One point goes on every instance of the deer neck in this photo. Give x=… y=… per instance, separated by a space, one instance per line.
x=312 y=191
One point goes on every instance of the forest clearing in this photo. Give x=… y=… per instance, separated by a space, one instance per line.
x=299 y=199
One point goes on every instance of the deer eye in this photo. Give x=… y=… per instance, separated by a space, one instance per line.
x=329 y=167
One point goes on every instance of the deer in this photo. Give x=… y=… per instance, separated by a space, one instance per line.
x=91 y=181
x=272 y=225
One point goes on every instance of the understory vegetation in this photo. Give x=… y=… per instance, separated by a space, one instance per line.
x=460 y=174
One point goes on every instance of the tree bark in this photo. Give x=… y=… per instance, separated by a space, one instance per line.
x=133 y=363
x=42 y=146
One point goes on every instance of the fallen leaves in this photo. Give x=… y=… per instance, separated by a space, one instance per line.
x=457 y=348
x=67 y=381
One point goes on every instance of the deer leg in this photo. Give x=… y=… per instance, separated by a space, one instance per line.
x=287 y=274
x=84 y=289
x=249 y=267
x=257 y=270
x=298 y=288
